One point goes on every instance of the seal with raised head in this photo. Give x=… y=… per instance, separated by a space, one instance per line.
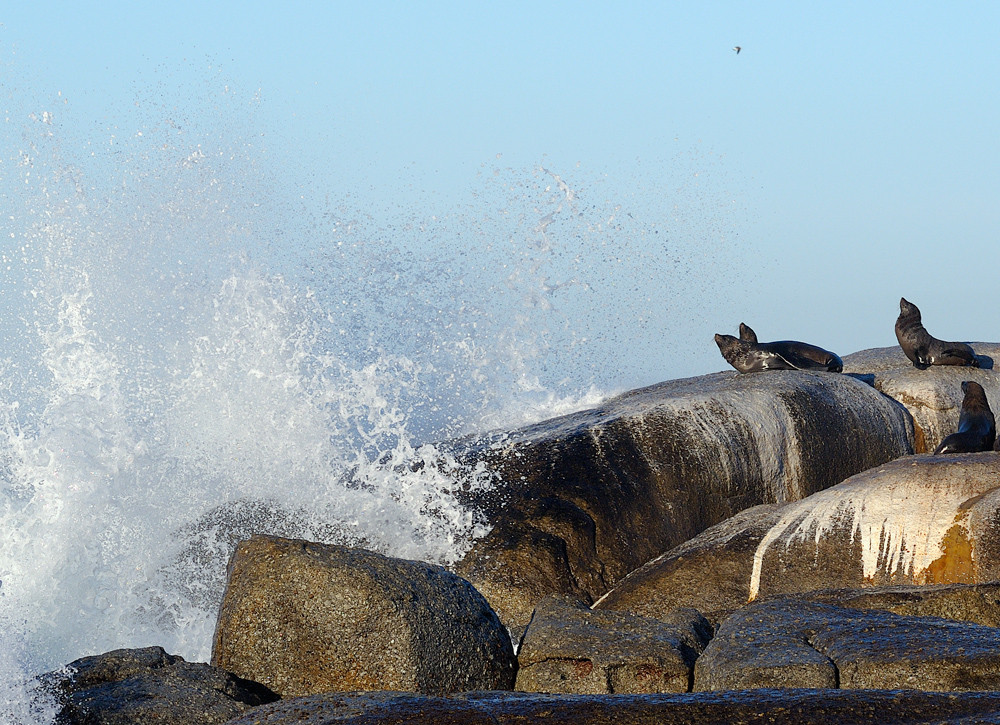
x=977 y=429
x=922 y=348
x=748 y=355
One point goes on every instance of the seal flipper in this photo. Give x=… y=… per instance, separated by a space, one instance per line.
x=770 y=360
x=747 y=334
x=801 y=362
x=961 y=354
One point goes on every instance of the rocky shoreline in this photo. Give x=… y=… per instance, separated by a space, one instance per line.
x=718 y=549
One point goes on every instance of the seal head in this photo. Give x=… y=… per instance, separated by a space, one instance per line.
x=977 y=429
x=924 y=350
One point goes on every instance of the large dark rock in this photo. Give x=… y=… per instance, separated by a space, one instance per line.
x=792 y=642
x=775 y=707
x=573 y=649
x=584 y=499
x=710 y=572
x=139 y=686
x=305 y=618
x=916 y=520
x=933 y=396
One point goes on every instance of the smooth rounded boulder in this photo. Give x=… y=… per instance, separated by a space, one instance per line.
x=582 y=500
x=302 y=618
x=916 y=520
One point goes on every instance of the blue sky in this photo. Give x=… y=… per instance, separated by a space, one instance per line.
x=847 y=156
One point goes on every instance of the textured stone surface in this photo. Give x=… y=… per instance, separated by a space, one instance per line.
x=584 y=499
x=570 y=648
x=139 y=686
x=775 y=707
x=710 y=572
x=917 y=520
x=933 y=397
x=791 y=642
x=305 y=618
x=977 y=603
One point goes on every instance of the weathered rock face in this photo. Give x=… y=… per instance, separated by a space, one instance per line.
x=775 y=707
x=585 y=499
x=570 y=648
x=977 y=603
x=305 y=618
x=917 y=520
x=710 y=572
x=933 y=396
x=797 y=643
x=148 y=685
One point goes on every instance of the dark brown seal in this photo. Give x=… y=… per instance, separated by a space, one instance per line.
x=749 y=356
x=977 y=430
x=921 y=348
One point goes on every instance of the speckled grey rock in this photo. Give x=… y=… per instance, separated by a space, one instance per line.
x=139 y=686
x=775 y=707
x=933 y=396
x=585 y=499
x=570 y=648
x=303 y=618
x=791 y=642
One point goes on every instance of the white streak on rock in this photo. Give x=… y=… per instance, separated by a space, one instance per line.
x=900 y=511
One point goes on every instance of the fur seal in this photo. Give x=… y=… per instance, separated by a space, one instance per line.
x=977 y=428
x=748 y=355
x=921 y=348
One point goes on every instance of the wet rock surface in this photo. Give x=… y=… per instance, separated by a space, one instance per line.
x=790 y=642
x=139 y=686
x=776 y=707
x=570 y=648
x=711 y=572
x=302 y=618
x=584 y=499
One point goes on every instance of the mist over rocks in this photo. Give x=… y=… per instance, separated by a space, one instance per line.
x=584 y=499
x=933 y=396
x=302 y=618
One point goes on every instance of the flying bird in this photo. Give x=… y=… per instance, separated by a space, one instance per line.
x=737 y=49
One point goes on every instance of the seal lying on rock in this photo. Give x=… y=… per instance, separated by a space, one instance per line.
x=977 y=429
x=921 y=348
x=749 y=356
